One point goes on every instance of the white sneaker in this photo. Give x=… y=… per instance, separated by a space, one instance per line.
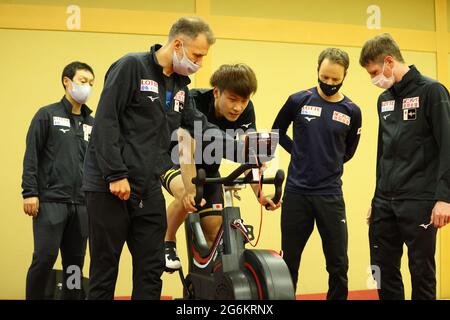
x=172 y=260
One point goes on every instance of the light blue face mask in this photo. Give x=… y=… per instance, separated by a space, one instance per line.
x=80 y=93
x=184 y=66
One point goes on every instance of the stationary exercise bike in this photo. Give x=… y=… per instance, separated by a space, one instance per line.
x=227 y=270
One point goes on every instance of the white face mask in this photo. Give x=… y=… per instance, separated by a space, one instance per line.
x=80 y=93
x=184 y=66
x=382 y=81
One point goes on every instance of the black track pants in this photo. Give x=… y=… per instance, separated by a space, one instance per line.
x=57 y=226
x=299 y=212
x=142 y=225
x=398 y=222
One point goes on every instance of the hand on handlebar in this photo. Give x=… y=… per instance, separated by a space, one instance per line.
x=267 y=202
x=189 y=202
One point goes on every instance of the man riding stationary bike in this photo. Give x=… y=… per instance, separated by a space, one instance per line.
x=228 y=106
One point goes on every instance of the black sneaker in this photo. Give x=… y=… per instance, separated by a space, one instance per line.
x=172 y=261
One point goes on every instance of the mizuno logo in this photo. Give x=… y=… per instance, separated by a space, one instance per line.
x=246 y=125
x=386 y=116
x=343 y=220
x=310 y=118
x=425 y=226
x=153 y=98
x=64 y=130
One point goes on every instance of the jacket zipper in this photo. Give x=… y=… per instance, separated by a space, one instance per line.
x=394 y=148
x=77 y=146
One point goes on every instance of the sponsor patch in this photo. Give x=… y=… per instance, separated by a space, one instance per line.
x=340 y=117
x=387 y=106
x=178 y=102
x=217 y=206
x=58 y=121
x=149 y=85
x=87 y=129
x=311 y=111
x=409 y=114
x=410 y=103
x=180 y=96
x=177 y=106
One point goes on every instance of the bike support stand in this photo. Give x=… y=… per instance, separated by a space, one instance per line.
x=183 y=281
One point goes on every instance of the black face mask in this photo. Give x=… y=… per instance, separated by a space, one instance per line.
x=329 y=90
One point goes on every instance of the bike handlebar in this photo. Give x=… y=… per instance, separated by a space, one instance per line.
x=233 y=178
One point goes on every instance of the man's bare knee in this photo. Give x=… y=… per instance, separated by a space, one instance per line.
x=176 y=187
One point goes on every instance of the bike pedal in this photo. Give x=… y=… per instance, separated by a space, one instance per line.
x=250 y=234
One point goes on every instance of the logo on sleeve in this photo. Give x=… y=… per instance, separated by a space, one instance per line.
x=341 y=117
x=410 y=103
x=58 y=121
x=149 y=85
x=311 y=111
x=387 y=106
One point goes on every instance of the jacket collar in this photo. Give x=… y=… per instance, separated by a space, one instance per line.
x=85 y=111
x=179 y=79
x=411 y=76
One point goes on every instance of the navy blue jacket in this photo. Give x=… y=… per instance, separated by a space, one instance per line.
x=325 y=135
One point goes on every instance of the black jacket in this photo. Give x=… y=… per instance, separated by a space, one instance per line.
x=203 y=101
x=55 y=150
x=133 y=130
x=413 y=160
